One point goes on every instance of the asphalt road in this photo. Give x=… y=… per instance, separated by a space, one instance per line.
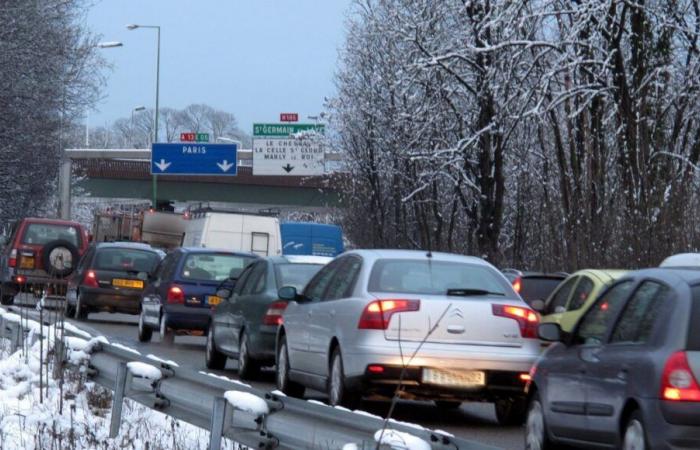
x=473 y=421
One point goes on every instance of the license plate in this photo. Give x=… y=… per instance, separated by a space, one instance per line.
x=26 y=262
x=213 y=300
x=454 y=378
x=134 y=284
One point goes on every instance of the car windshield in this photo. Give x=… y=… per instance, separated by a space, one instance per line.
x=126 y=259
x=297 y=275
x=538 y=288
x=43 y=233
x=410 y=276
x=214 y=266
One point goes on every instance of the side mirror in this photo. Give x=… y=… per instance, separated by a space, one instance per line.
x=143 y=276
x=550 y=332
x=288 y=293
x=538 y=305
x=224 y=293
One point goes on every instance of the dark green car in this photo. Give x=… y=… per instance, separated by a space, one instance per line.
x=244 y=325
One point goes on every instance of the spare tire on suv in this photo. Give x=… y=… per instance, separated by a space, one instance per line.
x=60 y=258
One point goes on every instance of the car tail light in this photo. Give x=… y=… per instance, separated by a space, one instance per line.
x=90 y=279
x=13 y=258
x=375 y=368
x=20 y=279
x=176 y=295
x=377 y=314
x=518 y=284
x=677 y=381
x=273 y=316
x=527 y=319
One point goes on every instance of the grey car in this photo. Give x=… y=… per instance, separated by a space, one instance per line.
x=628 y=375
x=444 y=327
x=244 y=325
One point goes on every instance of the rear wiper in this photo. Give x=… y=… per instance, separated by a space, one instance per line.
x=470 y=292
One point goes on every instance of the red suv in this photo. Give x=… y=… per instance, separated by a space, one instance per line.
x=40 y=251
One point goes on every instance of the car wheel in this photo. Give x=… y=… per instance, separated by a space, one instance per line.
x=167 y=336
x=635 y=436
x=284 y=384
x=447 y=404
x=6 y=299
x=68 y=309
x=213 y=358
x=145 y=331
x=338 y=394
x=247 y=367
x=81 y=312
x=536 y=437
x=511 y=411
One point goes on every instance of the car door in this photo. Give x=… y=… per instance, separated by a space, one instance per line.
x=223 y=335
x=565 y=365
x=556 y=304
x=299 y=321
x=324 y=324
x=255 y=285
x=156 y=291
x=626 y=356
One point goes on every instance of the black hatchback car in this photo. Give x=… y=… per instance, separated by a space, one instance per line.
x=107 y=278
x=534 y=286
x=182 y=293
x=628 y=376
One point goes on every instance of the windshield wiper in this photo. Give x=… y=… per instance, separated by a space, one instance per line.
x=470 y=292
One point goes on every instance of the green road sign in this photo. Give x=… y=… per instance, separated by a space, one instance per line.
x=283 y=130
x=202 y=137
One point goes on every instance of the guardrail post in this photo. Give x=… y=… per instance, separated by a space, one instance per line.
x=17 y=337
x=118 y=400
x=218 y=416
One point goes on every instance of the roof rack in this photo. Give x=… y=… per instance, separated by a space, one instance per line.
x=201 y=209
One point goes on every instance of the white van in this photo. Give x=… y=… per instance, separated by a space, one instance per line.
x=234 y=231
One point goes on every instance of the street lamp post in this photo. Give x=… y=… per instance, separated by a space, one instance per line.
x=110 y=44
x=131 y=134
x=155 y=133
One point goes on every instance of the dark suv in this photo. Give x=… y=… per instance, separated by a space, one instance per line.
x=534 y=285
x=107 y=279
x=628 y=376
x=40 y=252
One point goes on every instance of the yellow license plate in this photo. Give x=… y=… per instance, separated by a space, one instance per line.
x=26 y=262
x=454 y=378
x=213 y=300
x=134 y=284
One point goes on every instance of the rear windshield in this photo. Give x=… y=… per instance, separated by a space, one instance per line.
x=127 y=260
x=213 y=267
x=43 y=233
x=537 y=288
x=694 y=324
x=296 y=275
x=410 y=276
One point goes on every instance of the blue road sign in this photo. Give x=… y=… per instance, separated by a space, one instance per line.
x=189 y=158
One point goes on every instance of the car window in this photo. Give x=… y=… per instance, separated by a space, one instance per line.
x=581 y=294
x=344 y=279
x=594 y=324
x=318 y=284
x=123 y=259
x=642 y=312
x=560 y=296
x=43 y=233
x=537 y=288
x=424 y=276
x=694 y=322
x=166 y=268
x=252 y=283
x=297 y=275
x=84 y=261
x=213 y=266
x=242 y=279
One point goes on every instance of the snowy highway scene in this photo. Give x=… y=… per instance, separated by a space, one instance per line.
x=349 y=224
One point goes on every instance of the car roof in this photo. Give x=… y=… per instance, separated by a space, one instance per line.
x=300 y=259
x=670 y=275
x=604 y=275
x=51 y=221
x=126 y=245
x=416 y=254
x=216 y=250
x=689 y=260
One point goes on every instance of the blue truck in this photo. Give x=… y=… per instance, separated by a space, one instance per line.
x=307 y=238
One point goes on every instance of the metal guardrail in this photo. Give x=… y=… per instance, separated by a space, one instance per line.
x=198 y=398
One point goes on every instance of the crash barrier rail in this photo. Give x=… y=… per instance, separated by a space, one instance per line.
x=231 y=409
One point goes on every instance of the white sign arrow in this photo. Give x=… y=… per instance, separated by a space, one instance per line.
x=225 y=165
x=162 y=165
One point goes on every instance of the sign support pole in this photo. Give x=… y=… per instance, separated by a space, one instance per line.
x=155 y=177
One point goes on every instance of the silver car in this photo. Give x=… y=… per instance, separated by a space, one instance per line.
x=447 y=328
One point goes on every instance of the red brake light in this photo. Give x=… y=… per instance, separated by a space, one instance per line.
x=176 y=295
x=678 y=384
x=377 y=314
x=20 y=279
x=90 y=279
x=517 y=284
x=13 y=258
x=375 y=368
x=273 y=316
x=527 y=319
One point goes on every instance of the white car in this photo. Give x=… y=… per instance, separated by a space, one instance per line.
x=682 y=260
x=447 y=328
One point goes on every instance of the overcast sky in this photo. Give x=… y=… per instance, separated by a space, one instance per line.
x=254 y=58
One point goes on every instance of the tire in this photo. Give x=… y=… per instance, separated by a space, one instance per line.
x=166 y=336
x=68 y=309
x=448 y=404
x=6 y=299
x=634 y=436
x=284 y=384
x=511 y=412
x=59 y=267
x=81 y=312
x=145 y=331
x=213 y=358
x=536 y=436
x=338 y=393
x=248 y=368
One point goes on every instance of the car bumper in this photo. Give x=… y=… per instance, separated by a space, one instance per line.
x=110 y=300
x=182 y=317
x=672 y=425
x=262 y=343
